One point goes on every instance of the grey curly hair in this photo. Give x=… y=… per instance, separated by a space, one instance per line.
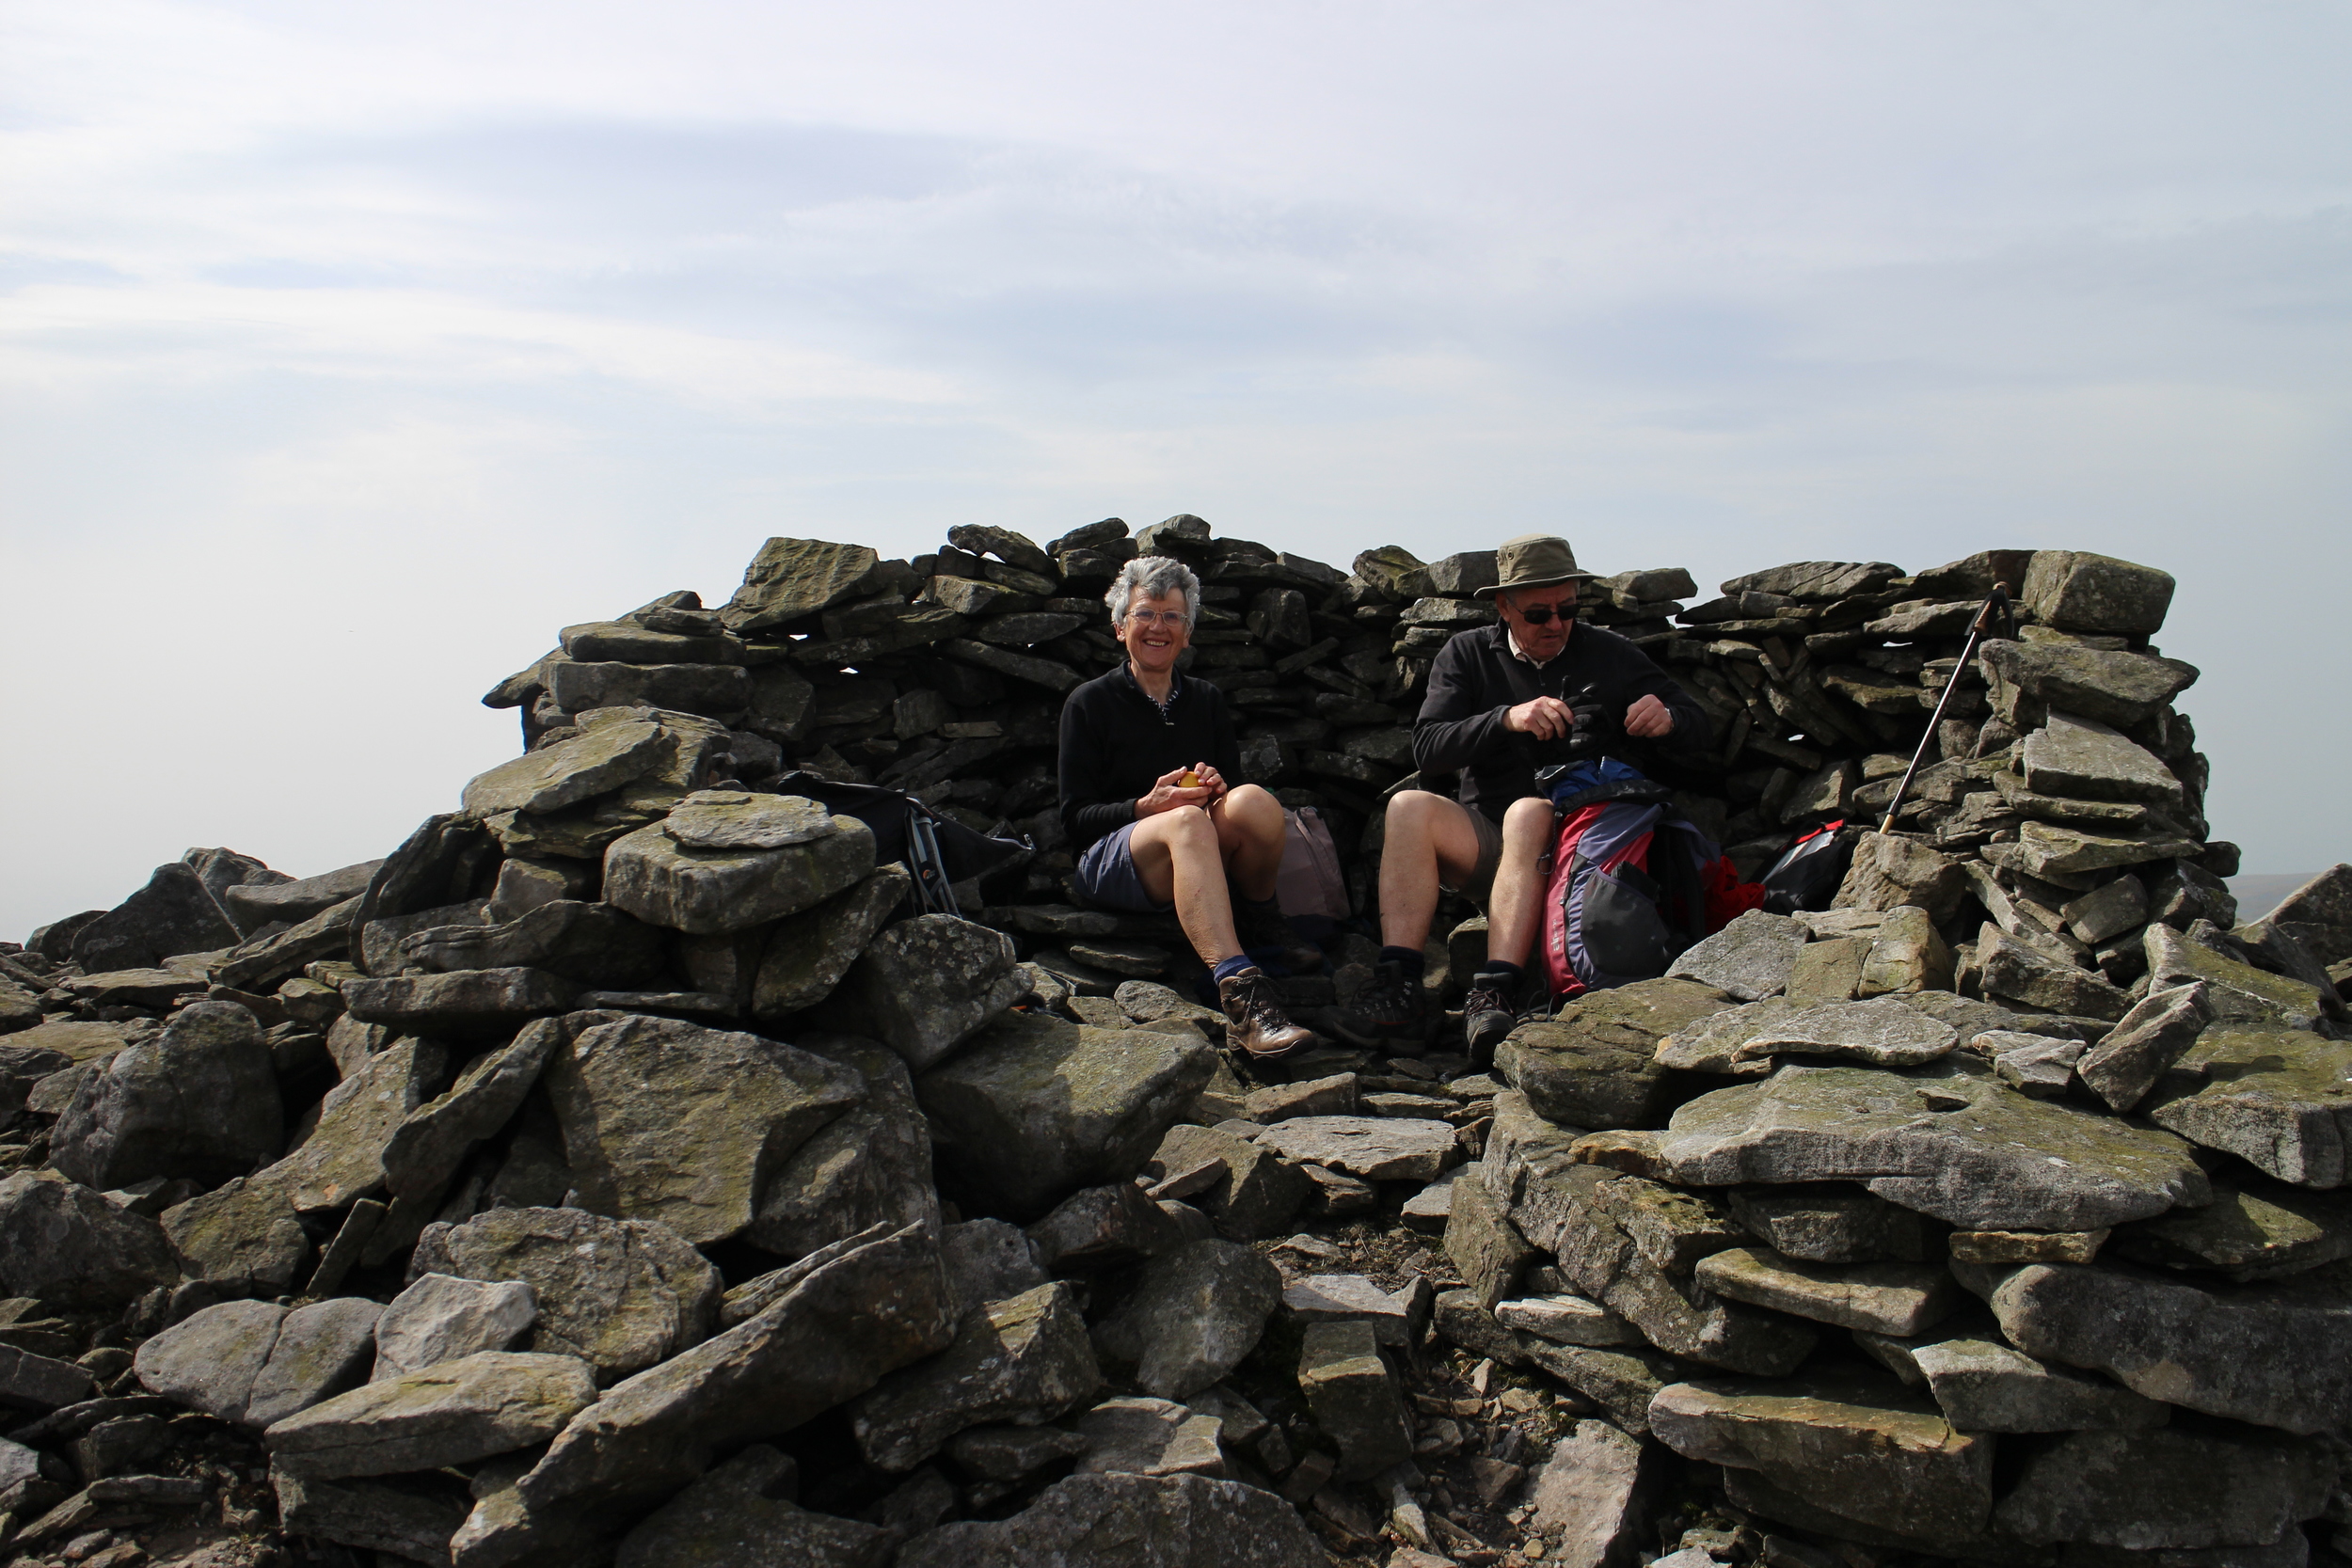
x=1157 y=575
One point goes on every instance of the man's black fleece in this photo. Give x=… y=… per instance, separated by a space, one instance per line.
x=1477 y=678
x=1115 y=745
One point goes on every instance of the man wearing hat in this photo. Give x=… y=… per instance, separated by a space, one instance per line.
x=1499 y=699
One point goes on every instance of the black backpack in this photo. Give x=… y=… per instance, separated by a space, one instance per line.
x=938 y=850
x=1810 y=871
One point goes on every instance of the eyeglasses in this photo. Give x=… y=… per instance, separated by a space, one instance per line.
x=1171 y=618
x=1541 y=614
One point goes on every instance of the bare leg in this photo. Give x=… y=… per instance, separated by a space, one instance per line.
x=1513 y=908
x=1249 y=838
x=1177 y=859
x=1429 y=840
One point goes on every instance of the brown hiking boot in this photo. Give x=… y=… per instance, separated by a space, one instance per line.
x=1255 y=1022
x=1392 y=1011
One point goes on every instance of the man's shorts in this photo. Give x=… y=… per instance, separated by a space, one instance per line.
x=1481 y=882
x=1107 y=879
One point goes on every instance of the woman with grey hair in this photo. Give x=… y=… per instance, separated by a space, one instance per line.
x=1149 y=794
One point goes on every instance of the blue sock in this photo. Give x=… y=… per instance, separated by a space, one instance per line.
x=1228 y=967
x=1412 y=960
x=1495 y=969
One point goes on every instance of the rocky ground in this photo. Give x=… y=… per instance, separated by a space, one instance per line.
x=617 y=1171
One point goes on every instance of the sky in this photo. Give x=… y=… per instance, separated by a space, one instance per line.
x=346 y=352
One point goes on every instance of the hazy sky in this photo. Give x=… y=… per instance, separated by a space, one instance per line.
x=347 y=352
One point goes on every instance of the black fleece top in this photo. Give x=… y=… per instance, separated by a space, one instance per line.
x=1477 y=677
x=1115 y=745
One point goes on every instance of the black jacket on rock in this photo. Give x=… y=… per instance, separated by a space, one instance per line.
x=1477 y=677
x=1115 y=745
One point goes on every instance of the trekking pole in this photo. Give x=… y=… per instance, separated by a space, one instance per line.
x=1995 y=603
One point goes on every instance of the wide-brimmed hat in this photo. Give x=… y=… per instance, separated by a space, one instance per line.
x=1536 y=561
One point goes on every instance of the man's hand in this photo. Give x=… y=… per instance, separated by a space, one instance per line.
x=1210 y=780
x=1545 y=718
x=1648 y=717
x=1169 y=792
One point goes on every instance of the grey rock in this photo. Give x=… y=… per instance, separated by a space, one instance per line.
x=1883 y=1032
x=709 y=891
x=1592 y=1064
x=525 y=884
x=1982 y=1385
x=1826 y=970
x=1863 y=1447
x=465 y=1004
x=1713 y=1042
x=723 y=689
x=2148 y=1491
x=1096 y=1228
x=322 y=1349
x=1966 y=1149
x=488 y=1404
x=1588 y=1496
x=209 y=1360
x=2273 y=1354
x=1196 y=1313
x=1255 y=1192
x=426 y=1150
x=1566 y=1319
x=1748 y=960
x=267 y=960
x=441 y=1318
x=740 y=1516
x=2235 y=992
x=2108 y=910
x=1025 y=1360
x=1332 y=1095
x=590 y=764
x=375 y=945
x=631 y=642
x=1459 y=1320
x=63 y=1242
x=1010 y=1452
x=2054 y=850
x=987 y=1260
x=2272 y=1096
x=1907 y=955
x=870 y=1165
x=2144 y=1044
x=1034 y=1108
x=594 y=944
x=621 y=1294
x=405 y=1518
x=2084 y=758
x=257 y=904
x=2011 y=970
x=2034 y=1064
x=1149 y=1437
x=244 y=1234
x=1830 y=1223
x=1891 y=872
x=809 y=954
x=1129 y=1521
x=1353 y=1298
x=343 y=1159
x=2254 y=1230
x=1483 y=1243
x=929 y=984
x=1816 y=581
x=670 y=1121
x=1879 y=1298
x=1431 y=1208
x=174 y=913
x=2080 y=591
x=1621 y=1382
x=1147 y=1002
x=790 y=580
x=735 y=820
x=853 y=1313
x=40 y=1382
x=2030 y=678
x=2319 y=914
x=1355 y=1397
x=200 y=1100
x=1376 y=1148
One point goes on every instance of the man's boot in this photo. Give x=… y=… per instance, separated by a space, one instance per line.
x=1255 y=1022
x=1489 y=1012
x=1392 y=1010
x=1265 y=932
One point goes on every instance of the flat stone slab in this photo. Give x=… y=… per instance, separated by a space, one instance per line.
x=1982 y=1385
x=1881 y=1032
x=2144 y=1044
x=2277 y=1353
x=564 y=774
x=737 y=819
x=1883 y=1298
x=1149 y=1437
x=1966 y=1149
x=1748 y=960
x=1350 y=1298
x=2279 y=1098
x=1867 y=1448
x=490 y=1404
x=711 y=891
x=1568 y=1320
x=2088 y=760
x=1377 y=1149
x=2256 y=1230
x=1714 y=1042
x=1592 y=1064
x=2238 y=993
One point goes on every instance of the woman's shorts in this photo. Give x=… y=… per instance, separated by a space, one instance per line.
x=1107 y=879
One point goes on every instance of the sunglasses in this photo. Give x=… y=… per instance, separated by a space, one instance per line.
x=1541 y=614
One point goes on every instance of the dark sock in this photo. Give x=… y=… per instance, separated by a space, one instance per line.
x=1504 y=976
x=1412 y=960
x=1228 y=967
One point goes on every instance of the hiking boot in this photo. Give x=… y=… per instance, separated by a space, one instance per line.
x=1487 y=1016
x=1255 y=1023
x=1392 y=1010
x=1265 y=934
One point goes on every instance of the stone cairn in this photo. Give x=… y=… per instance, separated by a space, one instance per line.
x=614 y=1173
